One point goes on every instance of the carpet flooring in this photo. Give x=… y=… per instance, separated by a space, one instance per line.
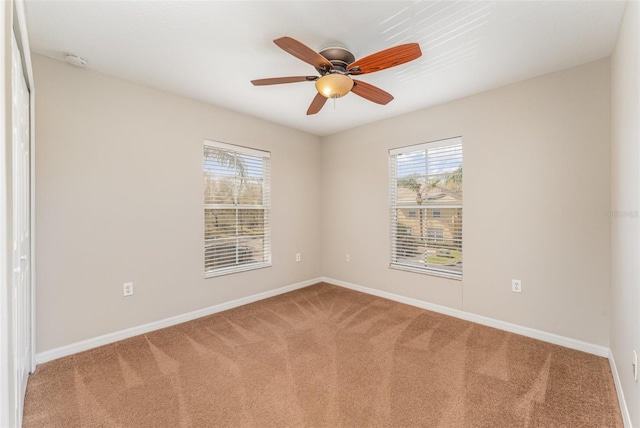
x=325 y=356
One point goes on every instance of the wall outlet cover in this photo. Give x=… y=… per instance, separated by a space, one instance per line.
x=127 y=289
x=516 y=286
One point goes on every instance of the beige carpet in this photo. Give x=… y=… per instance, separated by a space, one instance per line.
x=325 y=356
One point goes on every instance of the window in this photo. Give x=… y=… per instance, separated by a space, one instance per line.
x=236 y=209
x=427 y=179
x=435 y=235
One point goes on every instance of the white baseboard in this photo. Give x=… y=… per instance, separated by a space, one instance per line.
x=590 y=348
x=105 y=339
x=624 y=410
x=95 y=342
x=84 y=345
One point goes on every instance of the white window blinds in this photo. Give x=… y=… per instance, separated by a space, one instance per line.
x=426 y=208
x=236 y=209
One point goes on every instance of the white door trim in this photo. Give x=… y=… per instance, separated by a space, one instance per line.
x=12 y=18
x=21 y=290
x=21 y=32
x=28 y=75
x=6 y=356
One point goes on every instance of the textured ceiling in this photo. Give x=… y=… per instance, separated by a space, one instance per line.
x=210 y=50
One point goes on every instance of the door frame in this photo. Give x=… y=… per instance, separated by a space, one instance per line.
x=13 y=19
x=6 y=387
x=20 y=21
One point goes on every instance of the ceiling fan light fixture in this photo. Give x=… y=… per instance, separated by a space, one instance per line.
x=336 y=64
x=334 y=85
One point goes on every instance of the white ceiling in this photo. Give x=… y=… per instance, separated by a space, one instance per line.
x=210 y=50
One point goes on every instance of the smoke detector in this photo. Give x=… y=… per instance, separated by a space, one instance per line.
x=76 y=60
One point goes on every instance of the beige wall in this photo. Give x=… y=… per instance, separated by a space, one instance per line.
x=625 y=195
x=119 y=198
x=536 y=189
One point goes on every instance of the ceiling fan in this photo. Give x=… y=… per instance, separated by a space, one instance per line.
x=336 y=65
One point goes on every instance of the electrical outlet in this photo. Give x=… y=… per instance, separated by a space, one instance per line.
x=347 y=257
x=298 y=258
x=635 y=365
x=516 y=286
x=127 y=288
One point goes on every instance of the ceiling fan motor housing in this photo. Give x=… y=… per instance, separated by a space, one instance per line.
x=338 y=56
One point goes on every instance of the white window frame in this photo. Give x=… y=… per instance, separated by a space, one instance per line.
x=265 y=206
x=395 y=250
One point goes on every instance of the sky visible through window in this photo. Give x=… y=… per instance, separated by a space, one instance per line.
x=252 y=169
x=438 y=160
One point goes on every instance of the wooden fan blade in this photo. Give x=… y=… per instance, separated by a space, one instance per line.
x=371 y=93
x=317 y=104
x=279 y=80
x=303 y=52
x=385 y=59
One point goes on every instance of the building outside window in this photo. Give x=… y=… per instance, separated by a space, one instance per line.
x=426 y=208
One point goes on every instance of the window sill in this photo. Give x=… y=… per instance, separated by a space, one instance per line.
x=423 y=271
x=236 y=269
